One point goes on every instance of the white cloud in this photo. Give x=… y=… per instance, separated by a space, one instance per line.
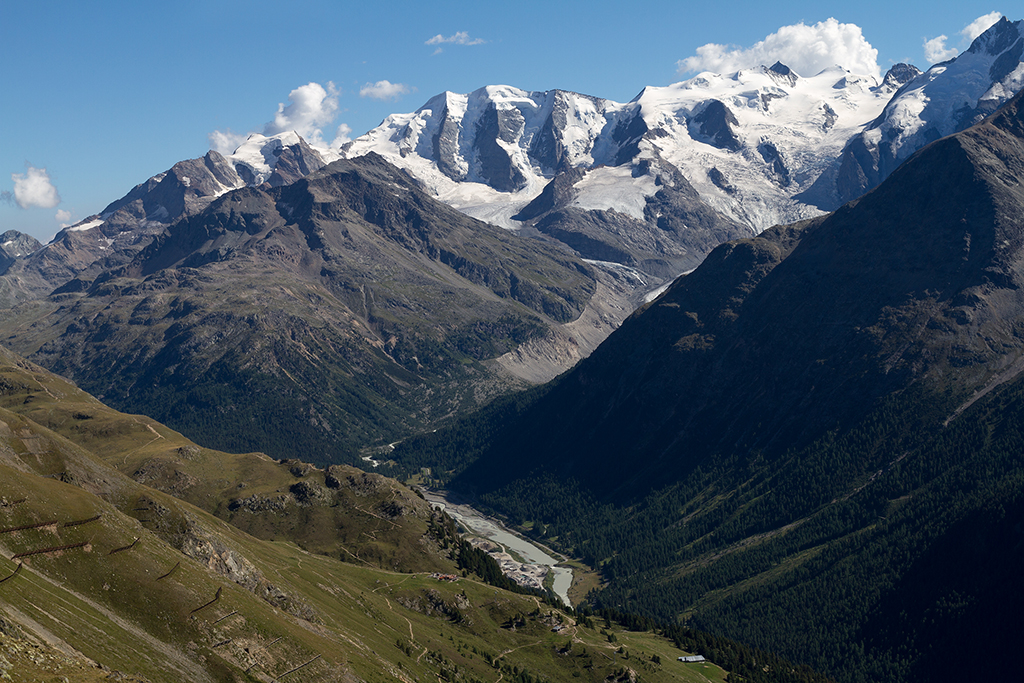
x=384 y=90
x=459 y=38
x=805 y=49
x=343 y=135
x=935 y=50
x=309 y=110
x=312 y=106
x=226 y=141
x=63 y=217
x=33 y=188
x=980 y=25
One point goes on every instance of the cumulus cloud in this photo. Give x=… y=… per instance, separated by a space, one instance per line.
x=34 y=189
x=226 y=141
x=63 y=217
x=459 y=38
x=309 y=109
x=936 y=50
x=343 y=135
x=384 y=90
x=805 y=49
x=312 y=107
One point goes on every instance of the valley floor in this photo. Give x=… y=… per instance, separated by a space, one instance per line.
x=520 y=559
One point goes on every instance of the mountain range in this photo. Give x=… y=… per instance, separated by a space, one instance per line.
x=318 y=318
x=805 y=436
x=758 y=147
x=626 y=196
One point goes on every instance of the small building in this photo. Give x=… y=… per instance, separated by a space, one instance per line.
x=692 y=658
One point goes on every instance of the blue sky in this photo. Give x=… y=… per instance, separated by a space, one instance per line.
x=99 y=96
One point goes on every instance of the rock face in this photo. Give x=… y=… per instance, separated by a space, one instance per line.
x=15 y=245
x=716 y=122
x=339 y=304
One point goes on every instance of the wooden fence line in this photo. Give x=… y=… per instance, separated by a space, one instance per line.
x=126 y=547
x=23 y=527
x=231 y=614
x=300 y=666
x=169 y=573
x=215 y=599
x=81 y=522
x=263 y=648
x=54 y=549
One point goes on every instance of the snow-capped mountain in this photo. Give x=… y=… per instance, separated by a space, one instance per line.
x=756 y=147
x=489 y=153
x=557 y=161
x=750 y=142
x=747 y=142
x=949 y=97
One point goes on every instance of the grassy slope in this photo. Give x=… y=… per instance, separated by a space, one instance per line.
x=120 y=610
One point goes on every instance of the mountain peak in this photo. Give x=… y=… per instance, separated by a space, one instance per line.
x=782 y=73
x=899 y=75
x=949 y=97
x=997 y=38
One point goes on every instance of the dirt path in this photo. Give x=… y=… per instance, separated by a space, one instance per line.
x=412 y=638
x=157 y=437
x=1001 y=378
x=520 y=648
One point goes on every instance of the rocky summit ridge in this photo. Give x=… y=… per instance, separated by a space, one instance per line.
x=127 y=225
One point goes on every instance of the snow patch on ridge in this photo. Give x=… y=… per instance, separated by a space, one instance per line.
x=615 y=188
x=87 y=226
